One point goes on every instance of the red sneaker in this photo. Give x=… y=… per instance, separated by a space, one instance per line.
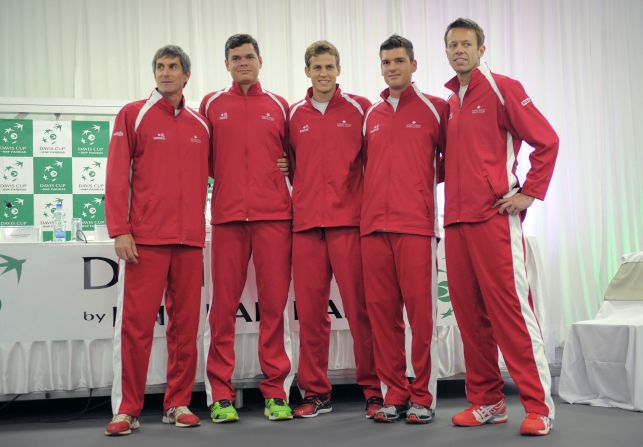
x=373 y=405
x=477 y=415
x=536 y=425
x=313 y=406
x=181 y=417
x=122 y=424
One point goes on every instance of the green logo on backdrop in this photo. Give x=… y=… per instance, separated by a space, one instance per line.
x=50 y=136
x=16 y=138
x=90 y=208
x=89 y=171
x=12 y=171
x=89 y=138
x=50 y=207
x=52 y=175
x=20 y=213
x=47 y=216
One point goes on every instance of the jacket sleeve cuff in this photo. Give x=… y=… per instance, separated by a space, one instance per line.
x=531 y=193
x=119 y=231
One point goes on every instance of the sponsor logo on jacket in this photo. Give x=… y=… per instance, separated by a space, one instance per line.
x=375 y=128
x=343 y=123
x=304 y=128
x=478 y=110
x=223 y=116
x=413 y=125
x=159 y=136
x=118 y=133
x=267 y=117
x=195 y=139
x=525 y=101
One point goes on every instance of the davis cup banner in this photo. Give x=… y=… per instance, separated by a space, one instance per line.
x=43 y=163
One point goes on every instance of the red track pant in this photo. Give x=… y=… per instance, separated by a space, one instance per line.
x=319 y=254
x=493 y=306
x=400 y=271
x=178 y=270
x=269 y=243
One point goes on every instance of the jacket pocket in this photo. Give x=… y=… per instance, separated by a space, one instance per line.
x=494 y=192
x=426 y=199
x=144 y=211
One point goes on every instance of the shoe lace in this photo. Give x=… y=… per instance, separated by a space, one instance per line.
x=225 y=403
x=122 y=418
x=374 y=401
x=279 y=402
x=485 y=411
x=314 y=399
x=180 y=411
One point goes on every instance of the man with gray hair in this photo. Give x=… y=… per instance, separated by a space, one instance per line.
x=155 y=193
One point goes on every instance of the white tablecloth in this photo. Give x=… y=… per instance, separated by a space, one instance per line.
x=57 y=312
x=603 y=357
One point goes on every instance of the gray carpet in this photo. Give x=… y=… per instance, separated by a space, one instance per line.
x=68 y=423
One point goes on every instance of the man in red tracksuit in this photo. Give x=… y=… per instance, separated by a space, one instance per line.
x=157 y=175
x=404 y=134
x=490 y=116
x=326 y=160
x=251 y=215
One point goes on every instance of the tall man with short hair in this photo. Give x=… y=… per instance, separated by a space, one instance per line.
x=251 y=215
x=157 y=175
x=490 y=117
x=327 y=165
x=404 y=134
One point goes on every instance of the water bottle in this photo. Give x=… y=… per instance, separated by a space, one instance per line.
x=59 y=224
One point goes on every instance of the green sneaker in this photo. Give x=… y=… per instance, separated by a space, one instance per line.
x=277 y=410
x=223 y=411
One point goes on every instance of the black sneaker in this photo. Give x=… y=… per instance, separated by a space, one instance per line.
x=313 y=406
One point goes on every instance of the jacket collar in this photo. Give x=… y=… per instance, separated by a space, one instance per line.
x=336 y=97
x=254 y=90
x=408 y=92
x=454 y=83
x=161 y=101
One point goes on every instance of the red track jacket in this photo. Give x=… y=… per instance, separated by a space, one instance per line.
x=483 y=140
x=402 y=149
x=249 y=134
x=166 y=156
x=326 y=161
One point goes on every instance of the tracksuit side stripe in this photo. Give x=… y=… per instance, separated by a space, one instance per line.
x=531 y=324
x=117 y=384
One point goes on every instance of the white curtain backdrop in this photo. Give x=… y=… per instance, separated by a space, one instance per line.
x=580 y=61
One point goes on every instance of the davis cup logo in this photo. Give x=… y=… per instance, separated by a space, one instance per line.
x=90 y=209
x=12 y=171
x=89 y=135
x=51 y=135
x=89 y=172
x=13 y=213
x=10 y=135
x=50 y=207
x=51 y=171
